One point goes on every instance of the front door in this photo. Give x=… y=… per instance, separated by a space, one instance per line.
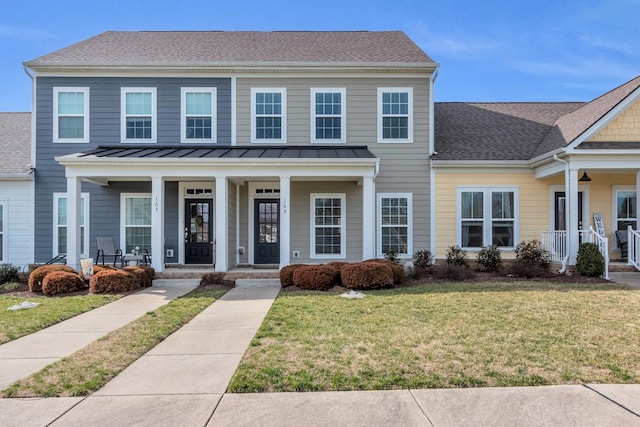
x=561 y=209
x=198 y=231
x=266 y=231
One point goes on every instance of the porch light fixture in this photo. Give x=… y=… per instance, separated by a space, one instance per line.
x=585 y=177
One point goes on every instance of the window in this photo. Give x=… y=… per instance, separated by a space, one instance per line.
x=624 y=210
x=70 y=114
x=2 y=234
x=395 y=115
x=395 y=224
x=268 y=107
x=138 y=114
x=487 y=216
x=328 y=115
x=198 y=114
x=60 y=224
x=136 y=217
x=328 y=226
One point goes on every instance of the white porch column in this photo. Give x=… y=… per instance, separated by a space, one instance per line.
x=368 y=218
x=73 y=222
x=285 y=220
x=222 y=220
x=637 y=200
x=157 y=223
x=573 y=237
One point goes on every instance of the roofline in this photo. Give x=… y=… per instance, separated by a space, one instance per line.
x=24 y=176
x=480 y=163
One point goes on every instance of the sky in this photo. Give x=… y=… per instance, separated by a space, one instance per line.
x=492 y=50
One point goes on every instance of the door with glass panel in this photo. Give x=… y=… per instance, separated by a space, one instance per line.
x=198 y=231
x=560 y=219
x=266 y=231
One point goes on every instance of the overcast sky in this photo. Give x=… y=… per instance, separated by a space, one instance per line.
x=497 y=50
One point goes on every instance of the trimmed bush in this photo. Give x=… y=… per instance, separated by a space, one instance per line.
x=337 y=266
x=112 y=281
x=315 y=277
x=367 y=275
x=396 y=269
x=37 y=276
x=532 y=260
x=457 y=256
x=453 y=272
x=62 y=282
x=213 y=278
x=286 y=274
x=590 y=261
x=489 y=258
x=143 y=275
x=8 y=273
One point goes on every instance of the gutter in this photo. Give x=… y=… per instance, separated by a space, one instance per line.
x=565 y=261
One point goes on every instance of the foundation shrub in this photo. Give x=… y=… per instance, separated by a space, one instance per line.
x=8 y=273
x=532 y=260
x=423 y=260
x=489 y=258
x=143 y=275
x=62 y=282
x=112 y=281
x=453 y=272
x=286 y=274
x=367 y=275
x=213 y=278
x=396 y=269
x=590 y=261
x=37 y=276
x=457 y=256
x=315 y=277
x=337 y=266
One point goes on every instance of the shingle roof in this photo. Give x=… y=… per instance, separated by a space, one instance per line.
x=15 y=142
x=493 y=131
x=238 y=47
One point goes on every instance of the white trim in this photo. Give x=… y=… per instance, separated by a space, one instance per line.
x=487 y=220
x=342 y=115
x=614 y=210
x=221 y=218
x=123 y=116
x=252 y=187
x=409 y=138
x=409 y=197
x=86 y=225
x=343 y=225
x=182 y=196
x=123 y=215
x=282 y=115
x=213 y=116
x=234 y=113
x=56 y=114
x=3 y=231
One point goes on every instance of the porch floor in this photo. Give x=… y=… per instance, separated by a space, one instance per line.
x=196 y=272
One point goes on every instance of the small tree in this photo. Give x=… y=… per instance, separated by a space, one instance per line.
x=457 y=256
x=489 y=258
x=590 y=261
x=532 y=259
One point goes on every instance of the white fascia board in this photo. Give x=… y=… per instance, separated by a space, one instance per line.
x=480 y=164
x=16 y=177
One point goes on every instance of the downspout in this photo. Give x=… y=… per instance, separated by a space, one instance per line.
x=565 y=261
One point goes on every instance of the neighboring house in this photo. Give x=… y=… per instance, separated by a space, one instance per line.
x=233 y=148
x=16 y=190
x=508 y=172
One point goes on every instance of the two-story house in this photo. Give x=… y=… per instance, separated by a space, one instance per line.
x=231 y=148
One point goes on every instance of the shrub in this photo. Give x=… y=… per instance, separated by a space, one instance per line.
x=532 y=260
x=286 y=274
x=423 y=259
x=453 y=272
x=489 y=258
x=8 y=273
x=143 y=274
x=315 y=277
x=456 y=256
x=212 y=278
x=337 y=265
x=590 y=261
x=391 y=256
x=37 y=276
x=62 y=282
x=112 y=281
x=396 y=269
x=367 y=275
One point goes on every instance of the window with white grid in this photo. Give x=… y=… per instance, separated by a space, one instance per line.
x=395 y=114
x=138 y=106
x=198 y=115
x=328 y=226
x=136 y=220
x=328 y=115
x=60 y=224
x=268 y=110
x=70 y=114
x=395 y=224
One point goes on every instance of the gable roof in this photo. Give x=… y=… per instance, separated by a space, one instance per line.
x=238 y=48
x=15 y=143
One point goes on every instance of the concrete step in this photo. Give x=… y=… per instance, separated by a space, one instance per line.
x=257 y=283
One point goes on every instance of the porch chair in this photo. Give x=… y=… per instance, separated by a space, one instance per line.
x=622 y=236
x=106 y=249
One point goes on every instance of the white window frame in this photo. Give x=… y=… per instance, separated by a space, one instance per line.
x=283 y=115
x=56 y=114
x=614 y=210
x=487 y=219
x=409 y=197
x=123 y=216
x=123 y=114
x=343 y=225
x=183 y=114
x=409 y=138
x=56 y=226
x=342 y=115
x=3 y=233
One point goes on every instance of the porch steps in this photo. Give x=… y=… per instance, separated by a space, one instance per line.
x=235 y=274
x=621 y=267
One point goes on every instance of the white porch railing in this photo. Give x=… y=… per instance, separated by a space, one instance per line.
x=556 y=243
x=633 y=248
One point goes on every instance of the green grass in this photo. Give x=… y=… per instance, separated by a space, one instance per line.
x=15 y=324
x=446 y=335
x=90 y=368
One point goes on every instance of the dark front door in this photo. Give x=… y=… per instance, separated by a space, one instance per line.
x=198 y=248
x=561 y=209
x=266 y=231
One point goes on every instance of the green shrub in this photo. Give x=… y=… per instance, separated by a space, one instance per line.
x=457 y=256
x=315 y=277
x=8 y=273
x=590 y=261
x=453 y=272
x=532 y=260
x=423 y=259
x=489 y=258
x=367 y=275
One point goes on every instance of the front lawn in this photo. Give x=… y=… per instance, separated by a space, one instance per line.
x=446 y=335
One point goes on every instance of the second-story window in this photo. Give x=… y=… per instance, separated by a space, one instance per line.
x=71 y=114
x=395 y=115
x=198 y=115
x=328 y=115
x=268 y=111
x=138 y=114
